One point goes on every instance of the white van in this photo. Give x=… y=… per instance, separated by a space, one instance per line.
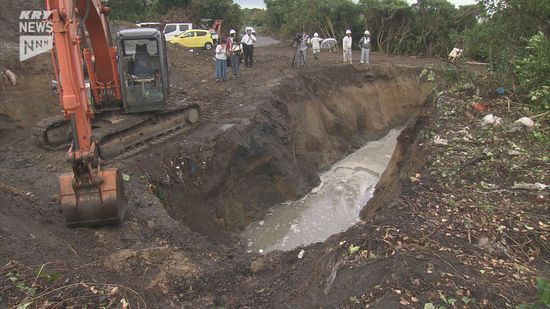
x=173 y=29
x=150 y=24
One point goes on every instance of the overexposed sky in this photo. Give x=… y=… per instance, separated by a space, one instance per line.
x=260 y=3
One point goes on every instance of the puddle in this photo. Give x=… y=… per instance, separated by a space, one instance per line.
x=330 y=208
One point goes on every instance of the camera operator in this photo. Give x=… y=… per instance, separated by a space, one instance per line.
x=302 y=40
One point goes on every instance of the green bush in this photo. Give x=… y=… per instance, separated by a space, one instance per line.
x=543 y=291
x=533 y=71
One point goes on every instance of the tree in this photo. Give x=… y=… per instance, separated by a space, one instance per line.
x=329 y=18
x=130 y=10
x=435 y=22
x=226 y=10
x=390 y=22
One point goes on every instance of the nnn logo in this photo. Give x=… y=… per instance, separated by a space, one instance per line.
x=36 y=33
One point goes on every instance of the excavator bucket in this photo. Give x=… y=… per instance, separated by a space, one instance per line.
x=93 y=205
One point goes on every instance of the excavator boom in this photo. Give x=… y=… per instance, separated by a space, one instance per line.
x=90 y=195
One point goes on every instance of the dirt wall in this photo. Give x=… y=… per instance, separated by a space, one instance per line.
x=306 y=124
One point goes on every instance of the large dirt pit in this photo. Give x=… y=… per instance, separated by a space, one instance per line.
x=306 y=123
x=262 y=140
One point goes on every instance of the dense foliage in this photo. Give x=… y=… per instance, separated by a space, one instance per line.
x=511 y=35
x=533 y=71
x=177 y=11
x=256 y=19
x=429 y=27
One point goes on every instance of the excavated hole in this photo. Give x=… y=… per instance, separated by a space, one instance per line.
x=309 y=123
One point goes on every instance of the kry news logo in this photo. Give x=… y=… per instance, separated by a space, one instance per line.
x=36 y=33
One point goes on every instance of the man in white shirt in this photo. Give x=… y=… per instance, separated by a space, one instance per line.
x=365 y=47
x=346 y=47
x=248 y=41
x=316 y=45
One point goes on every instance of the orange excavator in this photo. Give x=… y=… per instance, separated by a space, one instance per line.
x=112 y=97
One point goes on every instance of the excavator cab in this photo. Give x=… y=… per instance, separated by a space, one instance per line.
x=143 y=69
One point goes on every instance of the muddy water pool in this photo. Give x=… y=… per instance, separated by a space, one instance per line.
x=330 y=208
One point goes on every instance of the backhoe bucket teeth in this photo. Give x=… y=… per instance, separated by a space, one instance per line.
x=93 y=205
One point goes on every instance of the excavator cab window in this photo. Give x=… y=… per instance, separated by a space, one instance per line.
x=143 y=56
x=143 y=69
x=142 y=62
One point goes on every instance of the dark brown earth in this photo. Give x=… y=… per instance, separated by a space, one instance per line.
x=444 y=223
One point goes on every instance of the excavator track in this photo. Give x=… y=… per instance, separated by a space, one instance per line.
x=117 y=133
x=52 y=133
x=113 y=144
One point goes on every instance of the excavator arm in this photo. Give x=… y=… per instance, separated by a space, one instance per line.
x=90 y=195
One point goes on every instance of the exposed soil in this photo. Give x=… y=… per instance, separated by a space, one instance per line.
x=433 y=232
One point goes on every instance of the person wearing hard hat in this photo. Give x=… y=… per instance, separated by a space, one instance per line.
x=248 y=41
x=365 y=47
x=229 y=44
x=316 y=45
x=346 y=47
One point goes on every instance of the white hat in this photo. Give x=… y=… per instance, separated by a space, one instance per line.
x=367 y=32
x=348 y=31
x=248 y=28
x=232 y=31
x=316 y=34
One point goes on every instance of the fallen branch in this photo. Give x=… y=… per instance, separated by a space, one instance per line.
x=332 y=277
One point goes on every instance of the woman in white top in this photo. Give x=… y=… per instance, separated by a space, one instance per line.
x=236 y=50
x=221 y=61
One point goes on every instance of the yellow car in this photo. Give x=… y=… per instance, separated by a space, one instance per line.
x=194 y=38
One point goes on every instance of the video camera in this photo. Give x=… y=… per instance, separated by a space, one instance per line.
x=298 y=38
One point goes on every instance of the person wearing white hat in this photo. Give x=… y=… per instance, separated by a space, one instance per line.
x=248 y=41
x=229 y=44
x=346 y=47
x=316 y=44
x=365 y=47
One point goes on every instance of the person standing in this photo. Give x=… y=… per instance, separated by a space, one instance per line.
x=365 y=47
x=346 y=47
x=236 y=50
x=228 y=45
x=302 y=49
x=316 y=45
x=248 y=41
x=221 y=61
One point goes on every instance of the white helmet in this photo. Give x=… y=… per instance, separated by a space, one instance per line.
x=348 y=31
x=316 y=34
x=367 y=32
x=232 y=31
x=248 y=28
